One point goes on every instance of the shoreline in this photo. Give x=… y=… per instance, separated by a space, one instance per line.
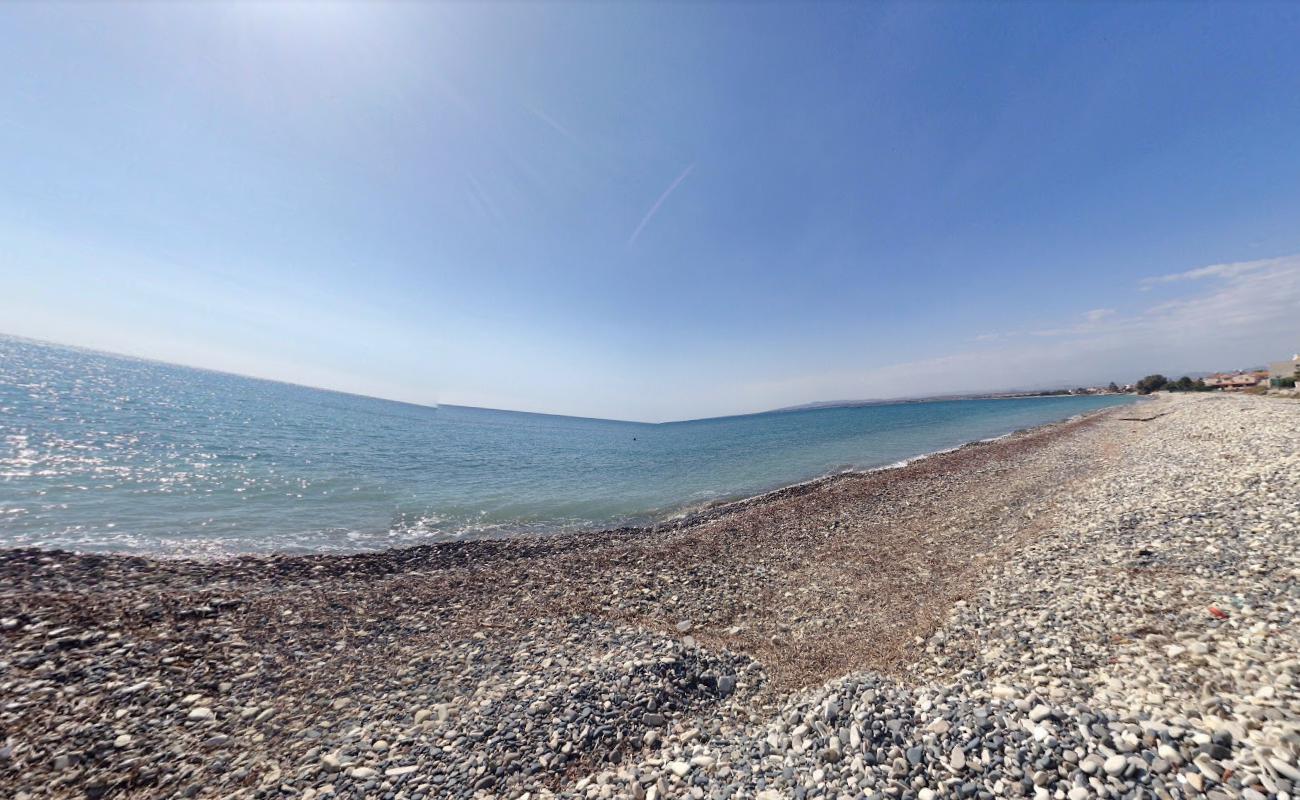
x=527 y=545
x=675 y=521
x=1010 y=616
x=722 y=506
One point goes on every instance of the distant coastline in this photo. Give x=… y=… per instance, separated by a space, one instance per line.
x=434 y=405
x=938 y=398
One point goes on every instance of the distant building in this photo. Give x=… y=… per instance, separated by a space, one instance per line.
x=1230 y=381
x=1279 y=370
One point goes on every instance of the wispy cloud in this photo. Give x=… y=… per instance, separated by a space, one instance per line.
x=1244 y=293
x=1090 y=322
x=1239 y=315
x=654 y=209
x=1249 y=295
x=552 y=123
x=1215 y=271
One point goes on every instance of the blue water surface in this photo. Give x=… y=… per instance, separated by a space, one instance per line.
x=106 y=453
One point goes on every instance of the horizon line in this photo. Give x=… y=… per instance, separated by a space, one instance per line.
x=814 y=405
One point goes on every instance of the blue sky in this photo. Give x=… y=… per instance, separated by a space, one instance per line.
x=655 y=212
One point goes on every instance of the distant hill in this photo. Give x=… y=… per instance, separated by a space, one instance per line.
x=924 y=399
x=1039 y=391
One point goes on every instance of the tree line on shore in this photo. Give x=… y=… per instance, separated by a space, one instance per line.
x=1157 y=382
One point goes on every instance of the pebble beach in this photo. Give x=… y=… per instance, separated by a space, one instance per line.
x=1103 y=607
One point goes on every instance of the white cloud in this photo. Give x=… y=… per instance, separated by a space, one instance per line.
x=1216 y=271
x=1247 y=315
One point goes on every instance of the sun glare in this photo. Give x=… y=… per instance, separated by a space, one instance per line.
x=305 y=23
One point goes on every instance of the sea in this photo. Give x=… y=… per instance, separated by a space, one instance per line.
x=107 y=453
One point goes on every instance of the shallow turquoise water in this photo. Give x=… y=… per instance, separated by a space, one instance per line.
x=100 y=452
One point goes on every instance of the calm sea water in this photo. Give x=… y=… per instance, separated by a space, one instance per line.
x=99 y=452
